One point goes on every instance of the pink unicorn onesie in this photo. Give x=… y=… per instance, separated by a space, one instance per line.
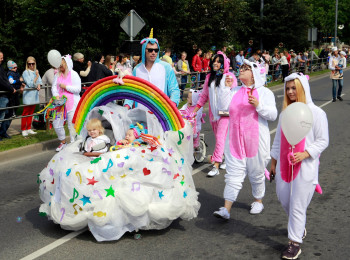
x=306 y=163
x=215 y=90
x=187 y=112
x=68 y=83
x=247 y=148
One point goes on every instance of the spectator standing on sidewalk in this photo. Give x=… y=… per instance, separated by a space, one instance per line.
x=4 y=97
x=166 y=57
x=197 y=64
x=33 y=83
x=98 y=69
x=336 y=77
x=184 y=68
x=240 y=58
x=80 y=67
x=17 y=83
x=284 y=65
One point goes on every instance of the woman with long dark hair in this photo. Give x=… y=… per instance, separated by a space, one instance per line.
x=215 y=90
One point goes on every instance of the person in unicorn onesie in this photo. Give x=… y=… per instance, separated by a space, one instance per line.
x=305 y=160
x=187 y=112
x=66 y=83
x=215 y=90
x=247 y=147
x=158 y=72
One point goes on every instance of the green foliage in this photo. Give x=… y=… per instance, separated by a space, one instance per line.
x=31 y=27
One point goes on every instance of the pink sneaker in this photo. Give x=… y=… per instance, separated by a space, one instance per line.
x=61 y=147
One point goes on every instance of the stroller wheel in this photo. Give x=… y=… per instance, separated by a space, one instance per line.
x=199 y=154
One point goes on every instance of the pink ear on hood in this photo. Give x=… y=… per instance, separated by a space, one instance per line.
x=226 y=62
x=308 y=77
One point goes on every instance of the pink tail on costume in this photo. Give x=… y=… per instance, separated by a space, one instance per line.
x=318 y=189
x=267 y=174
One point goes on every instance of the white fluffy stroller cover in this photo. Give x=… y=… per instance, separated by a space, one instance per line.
x=125 y=190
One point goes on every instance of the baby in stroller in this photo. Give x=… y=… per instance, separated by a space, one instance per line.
x=196 y=123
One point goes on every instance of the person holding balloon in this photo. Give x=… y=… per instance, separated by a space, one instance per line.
x=247 y=148
x=301 y=136
x=66 y=83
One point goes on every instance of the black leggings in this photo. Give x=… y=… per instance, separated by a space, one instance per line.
x=285 y=69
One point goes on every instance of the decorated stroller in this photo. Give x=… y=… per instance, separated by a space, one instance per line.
x=138 y=187
x=199 y=145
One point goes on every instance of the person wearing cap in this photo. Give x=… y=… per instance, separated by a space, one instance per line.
x=296 y=186
x=16 y=82
x=66 y=83
x=335 y=75
x=247 y=147
x=7 y=90
x=33 y=83
x=159 y=73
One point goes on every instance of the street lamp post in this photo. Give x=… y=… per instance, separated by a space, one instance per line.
x=336 y=22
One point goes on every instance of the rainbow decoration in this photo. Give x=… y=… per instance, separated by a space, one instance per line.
x=134 y=88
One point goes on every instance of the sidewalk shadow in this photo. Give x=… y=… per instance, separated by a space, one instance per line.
x=261 y=234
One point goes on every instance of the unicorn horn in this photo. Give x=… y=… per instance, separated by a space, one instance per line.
x=151 y=34
x=140 y=126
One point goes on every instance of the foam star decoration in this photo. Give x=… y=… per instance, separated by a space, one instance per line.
x=171 y=151
x=182 y=183
x=100 y=112
x=127 y=157
x=91 y=181
x=131 y=169
x=112 y=178
x=123 y=176
x=185 y=194
x=151 y=160
x=110 y=191
x=85 y=200
x=165 y=160
x=152 y=148
x=160 y=194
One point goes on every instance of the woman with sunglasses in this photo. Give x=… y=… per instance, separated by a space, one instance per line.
x=32 y=80
x=247 y=148
x=215 y=90
x=66 y=83
x=305 y=160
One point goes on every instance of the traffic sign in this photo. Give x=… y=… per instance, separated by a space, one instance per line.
x=132 y=24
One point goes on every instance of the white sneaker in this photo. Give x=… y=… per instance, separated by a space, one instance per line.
x=60 y=147
x=223 y=166
x=31 y=132
x=222 y=213
x=24 y=133
x=213 y=172
x=257 y=207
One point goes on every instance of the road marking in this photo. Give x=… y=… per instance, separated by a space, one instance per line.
x=72 y=235
x=201 y=168
x=53 y=245
x=324 y=104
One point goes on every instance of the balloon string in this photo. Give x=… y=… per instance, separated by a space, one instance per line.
x=291 y=183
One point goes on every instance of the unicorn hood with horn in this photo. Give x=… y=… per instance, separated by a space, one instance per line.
x=158 y=72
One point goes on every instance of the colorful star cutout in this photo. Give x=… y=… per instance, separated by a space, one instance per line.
x=171 y=151
x=160 y=194
x=127 y=157
x=91 y=181
x=110 y=191
x=182 y=183
x=165 y=160
x=100 y=112
x=112 y=178
x=85 y=200
x=152 y=148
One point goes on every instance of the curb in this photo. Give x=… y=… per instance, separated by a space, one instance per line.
x=23 y=151
x=50 y=145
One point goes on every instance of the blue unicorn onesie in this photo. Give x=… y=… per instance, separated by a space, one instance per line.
x=161 y=74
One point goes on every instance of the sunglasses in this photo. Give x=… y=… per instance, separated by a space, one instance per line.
x=151 y=50
x=31 y=64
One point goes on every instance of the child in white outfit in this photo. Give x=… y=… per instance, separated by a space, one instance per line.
x=96 y=143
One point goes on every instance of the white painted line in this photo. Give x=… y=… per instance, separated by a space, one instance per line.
x=201 y=168
x=72 y=235
x=324 y=104
x=53 y=245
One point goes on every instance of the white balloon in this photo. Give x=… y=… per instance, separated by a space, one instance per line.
x=54 y=58
x=296 y=122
